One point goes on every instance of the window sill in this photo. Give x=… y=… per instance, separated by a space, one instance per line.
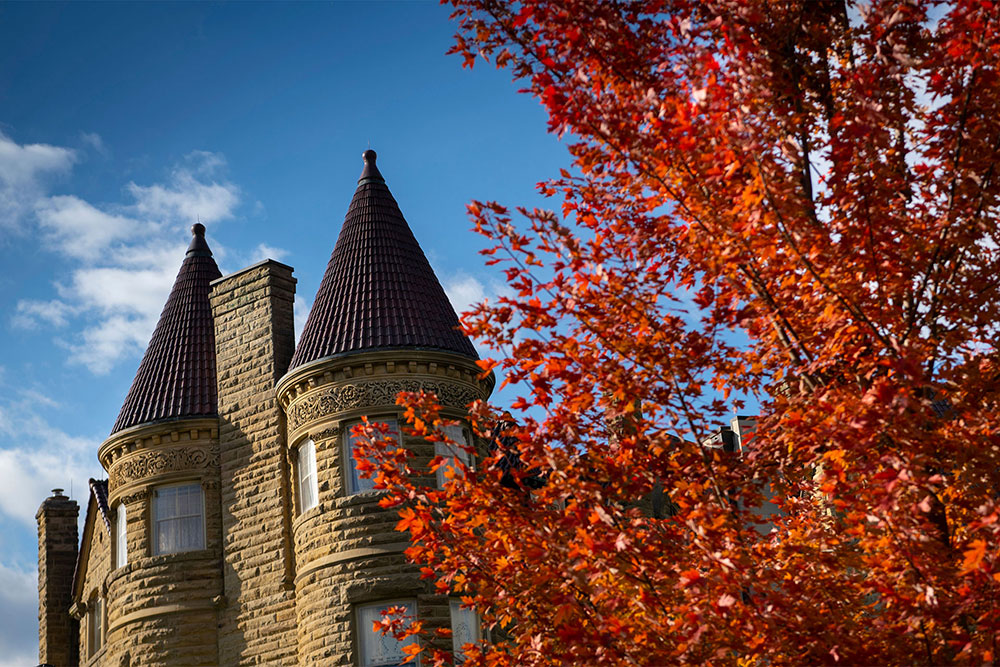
x=360 y=498
x=307 y=515
x=97 y=657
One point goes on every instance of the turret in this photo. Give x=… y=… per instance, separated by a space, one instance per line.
x=380 y=324
x=160 y=588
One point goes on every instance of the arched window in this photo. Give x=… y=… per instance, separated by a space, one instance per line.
x=121 y=537
x=95 y=625
x=465 y=629
x=378 y=650
x=356 y=483
x=306 y=476
x=453 y=453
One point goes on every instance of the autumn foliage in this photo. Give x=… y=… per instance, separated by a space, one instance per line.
x=787 y=204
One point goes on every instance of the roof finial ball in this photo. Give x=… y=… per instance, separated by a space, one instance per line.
x=370 y=173
x=198 y=246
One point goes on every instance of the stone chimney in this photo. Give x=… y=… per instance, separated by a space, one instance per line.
x=58 y=632
x=255 y=338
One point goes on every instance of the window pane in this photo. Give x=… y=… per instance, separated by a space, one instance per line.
x=99 y=624
x=95 y=623
x=464 y=628
x=356 y=483
x=456 y=433
x=308 y=491
x=121 y=537
x=188 y=500
x=379 y=650
x=178 y=520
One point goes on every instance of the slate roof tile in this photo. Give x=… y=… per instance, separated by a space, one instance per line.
x=177 y=375
x=99 y=487
x=379 y=291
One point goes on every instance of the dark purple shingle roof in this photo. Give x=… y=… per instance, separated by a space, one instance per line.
x=100 y=490
x=379 y=291
x=177 y=375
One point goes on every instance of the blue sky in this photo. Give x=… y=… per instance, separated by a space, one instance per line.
x=120 y=124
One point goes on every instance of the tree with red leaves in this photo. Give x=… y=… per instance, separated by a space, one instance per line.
x=792 y=202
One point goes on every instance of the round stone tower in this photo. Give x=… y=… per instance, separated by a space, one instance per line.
x=165 y=578
x=380 y=324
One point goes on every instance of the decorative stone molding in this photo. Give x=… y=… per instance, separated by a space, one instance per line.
x=161 y=610
x=339 y=398
x=152 y=463
x=331 y=433
x=383 y=365
x=199 y=431
x=78 y=610
x=137 y=496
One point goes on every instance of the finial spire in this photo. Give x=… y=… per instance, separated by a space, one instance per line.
x=177 y=375
x=370 y=172
x=379 y=291
x=199 y=247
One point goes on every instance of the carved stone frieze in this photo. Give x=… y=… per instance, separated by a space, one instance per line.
x=327 y=434
x=331 y=400
x=141 y=494
x=151 y=463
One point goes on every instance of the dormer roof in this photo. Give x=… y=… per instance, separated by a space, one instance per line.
x=176 y=378
x=379 y=291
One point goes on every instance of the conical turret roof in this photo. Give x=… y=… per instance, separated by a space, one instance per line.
x=177 y=375
x=379 y=291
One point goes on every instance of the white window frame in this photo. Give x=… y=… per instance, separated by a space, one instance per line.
x=156 y=519
x=459 y=434
x=456 y=609
x=121 y=536
x=365 y=615
x=354 y=482
x=305 y=476
x=95 y=626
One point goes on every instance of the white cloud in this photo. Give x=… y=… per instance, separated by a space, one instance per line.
x=24 y=171
x=46 y=458
x=93 y=140
x=122 y=257
x=264 y=251
x=300 y=312
x=126 y=289
x=113 y=339
x=193 y=193
x=79 y=230
x=465 y=291
x=205 y=163
x=31 y=314
x=18 y=616
x=124 y=303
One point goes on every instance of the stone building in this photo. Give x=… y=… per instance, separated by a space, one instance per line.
x=233 y=528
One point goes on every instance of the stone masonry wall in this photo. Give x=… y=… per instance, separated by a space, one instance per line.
x=162 y=609
x=348 y=554
x=57 y=549
x=95 y=551
x=347 y=550
x=254 y=334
